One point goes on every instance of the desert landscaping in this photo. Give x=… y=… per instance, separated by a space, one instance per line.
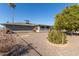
x=19 y=38
x=31 y=44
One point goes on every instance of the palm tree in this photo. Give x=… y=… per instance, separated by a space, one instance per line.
x=12 y=5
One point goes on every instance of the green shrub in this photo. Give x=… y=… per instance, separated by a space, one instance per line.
x=57 y=37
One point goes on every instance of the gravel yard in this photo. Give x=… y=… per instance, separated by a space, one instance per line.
x=40 y=43
x=40 y=46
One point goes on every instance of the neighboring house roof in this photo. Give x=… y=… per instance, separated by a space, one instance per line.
x=23 y=24
x=20 y=24
x=42 y=25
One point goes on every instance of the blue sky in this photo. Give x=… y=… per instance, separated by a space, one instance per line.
x=37 y=13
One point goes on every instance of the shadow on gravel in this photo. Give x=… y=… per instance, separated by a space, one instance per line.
x=18 y=50
x=68 y=33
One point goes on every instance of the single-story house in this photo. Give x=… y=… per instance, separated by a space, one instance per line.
x=26 y=26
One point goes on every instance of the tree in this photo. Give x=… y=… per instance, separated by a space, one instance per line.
x=68 y=19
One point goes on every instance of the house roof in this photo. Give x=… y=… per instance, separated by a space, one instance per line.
x=20 y=24
x=23 y=24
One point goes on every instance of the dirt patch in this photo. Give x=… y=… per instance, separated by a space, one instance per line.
x=7 y=40
x=11 y=44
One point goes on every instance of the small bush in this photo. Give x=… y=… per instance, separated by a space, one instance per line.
x=57 y=37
